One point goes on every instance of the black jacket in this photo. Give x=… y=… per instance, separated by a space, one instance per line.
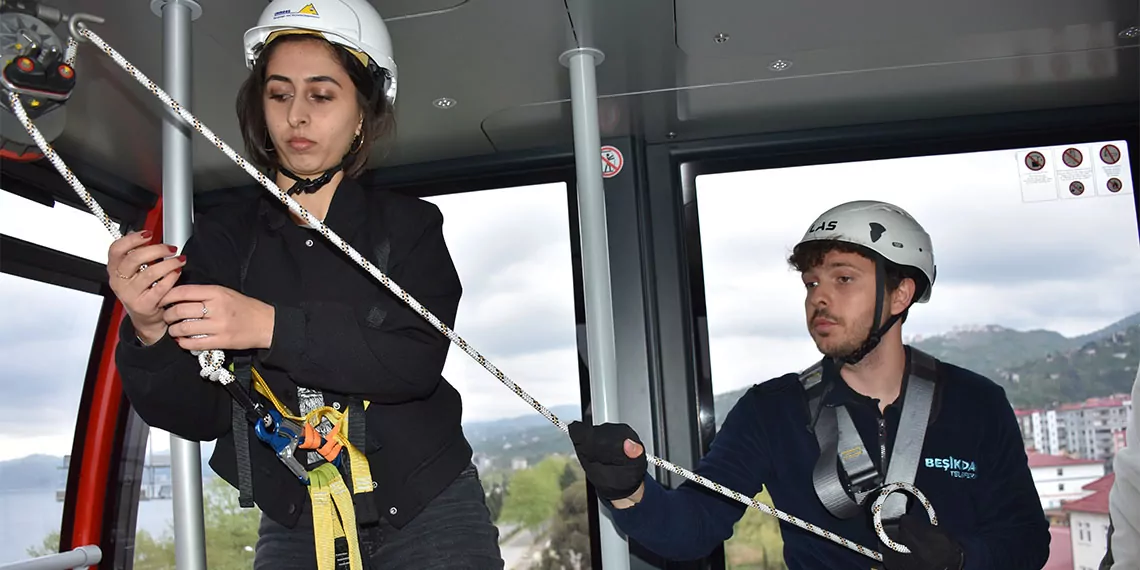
x=973 y=470
x=337 y=330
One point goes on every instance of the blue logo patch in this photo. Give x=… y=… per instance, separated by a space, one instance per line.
x=958 y=468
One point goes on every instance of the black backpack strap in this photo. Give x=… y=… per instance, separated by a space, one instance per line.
x=241 y=431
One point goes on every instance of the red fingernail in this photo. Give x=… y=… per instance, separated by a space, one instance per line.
x=182 y=258
x=146 y=234
x=172 y=249
x=178 y=271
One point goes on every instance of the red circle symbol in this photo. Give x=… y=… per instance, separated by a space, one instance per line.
x=1114 y=185
x=65 y=71
x=1035 y=161
x=1110 y=154
x=1072 y=157
x=25 y=64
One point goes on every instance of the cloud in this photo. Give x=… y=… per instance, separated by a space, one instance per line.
x=1064 y=265
x=45 y=342
x=512 y=250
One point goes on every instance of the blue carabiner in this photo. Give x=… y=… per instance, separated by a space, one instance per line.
x=283 y=436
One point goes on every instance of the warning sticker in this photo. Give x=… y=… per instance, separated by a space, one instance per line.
x=1072 y=157
x=1037 y=182
x=1113 y=174
x=1074 y=171
x=612 y=161
x=1035 y=161
x=1071 y=167
x=1109 y=154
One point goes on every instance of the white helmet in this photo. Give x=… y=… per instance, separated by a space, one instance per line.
x=354 y=24
x=883 y=228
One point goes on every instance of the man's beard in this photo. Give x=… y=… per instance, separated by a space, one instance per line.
x=835 y=347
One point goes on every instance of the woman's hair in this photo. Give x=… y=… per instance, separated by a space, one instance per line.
x=378 y=115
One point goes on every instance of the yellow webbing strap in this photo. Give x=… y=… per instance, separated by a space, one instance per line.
x=332 y=514
x=361 y=473
x=326 y=486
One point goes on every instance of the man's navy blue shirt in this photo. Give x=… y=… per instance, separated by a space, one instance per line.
x=973 y=469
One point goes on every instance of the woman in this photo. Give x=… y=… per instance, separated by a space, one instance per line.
x=282 y=301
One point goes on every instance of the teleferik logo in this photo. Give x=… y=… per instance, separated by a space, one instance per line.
x=307 y=10
x=958 y=468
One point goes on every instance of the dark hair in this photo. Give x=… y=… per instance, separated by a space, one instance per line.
x=810 y=254
x=378 y=115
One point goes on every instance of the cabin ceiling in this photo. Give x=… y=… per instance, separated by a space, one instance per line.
x=681 y=70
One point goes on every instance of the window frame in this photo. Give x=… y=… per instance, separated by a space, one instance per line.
x=681 y=376
x=128 y=205
x=868 y=143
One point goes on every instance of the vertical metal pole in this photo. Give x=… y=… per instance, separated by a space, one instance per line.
x=595 y=265
x=177 y=222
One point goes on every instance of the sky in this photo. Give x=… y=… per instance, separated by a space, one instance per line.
x=1025 y=258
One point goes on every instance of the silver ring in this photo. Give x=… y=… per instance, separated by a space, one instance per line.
x=204 y=309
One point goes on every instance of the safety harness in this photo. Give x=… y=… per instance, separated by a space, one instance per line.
x=841 y=446
x=338 y=514
x=339 y=540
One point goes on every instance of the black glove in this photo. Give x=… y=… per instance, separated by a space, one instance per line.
x=601 y=450
x=931 y=548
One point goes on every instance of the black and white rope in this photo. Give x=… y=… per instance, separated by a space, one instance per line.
x=212 y=361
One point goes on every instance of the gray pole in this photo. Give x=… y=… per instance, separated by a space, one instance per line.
x=595 y=265
x=177 y=223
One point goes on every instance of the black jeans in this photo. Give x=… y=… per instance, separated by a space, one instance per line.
x=454 y=531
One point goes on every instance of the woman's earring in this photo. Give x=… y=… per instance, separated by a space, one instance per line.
x=267 y=145
x=356 y=144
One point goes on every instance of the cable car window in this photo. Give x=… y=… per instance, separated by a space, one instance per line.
x=511 y=248
x=45 y=343
x=1036 y=250
x=61 y=227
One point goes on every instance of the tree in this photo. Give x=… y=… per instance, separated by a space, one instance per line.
x=533 y=494
x=569 y=547
x=571 y=474
x=231 y=535
x=494 y=495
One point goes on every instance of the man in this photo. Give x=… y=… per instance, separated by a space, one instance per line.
x=1124 y=498
x=882 y=411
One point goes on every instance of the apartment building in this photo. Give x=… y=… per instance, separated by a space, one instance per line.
x=1088 y=524
x=1059 y=478
x=1092 y=429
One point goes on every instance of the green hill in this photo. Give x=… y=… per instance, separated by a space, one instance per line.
x=1097 y=368
x=993 y=349
x=1038 y=368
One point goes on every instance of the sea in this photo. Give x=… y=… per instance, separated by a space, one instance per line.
x=27 y=517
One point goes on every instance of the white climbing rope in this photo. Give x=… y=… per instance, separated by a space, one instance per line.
x=212 y=361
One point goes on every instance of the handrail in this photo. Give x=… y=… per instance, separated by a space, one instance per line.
x=80 y=557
